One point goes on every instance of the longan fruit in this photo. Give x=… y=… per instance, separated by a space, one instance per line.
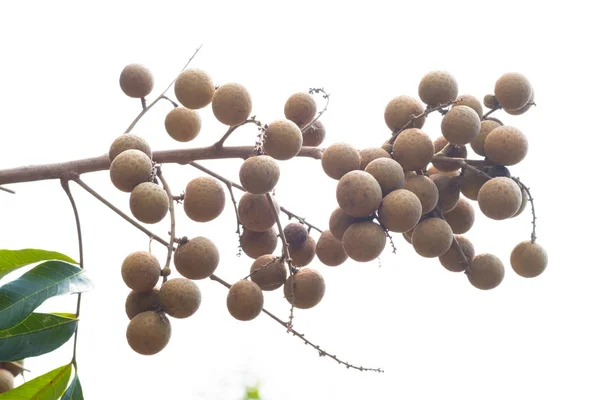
x=197 y=258
x=340 y=158
x=438 y=87
x=330 y=251
x=148 y=332
x=256 y=244
x=256 y=213
x=460 y=125
x=300 y=108
x=358 y=193
x=231 y=104
x=413 y=149
x=470 y=101
x=448 y=191
x=129 y=169
x=523 y=109
x=452 y=151
x=128 y=141
x=424 y=188
x=506 y=145
x=499 y=198
x=245 y=300
x=512 y=90
x=452 y=260
x=140 y=271
x=439 y=144
x=371 y=153
x=461 y=218
x=490 y=101
x=15 y=367
x=528 y=259
x=7 y=380
x=308 y=288
x=295 y=234
x=259 y=174
x=282 y=139
x=194 y=88
x=203 y=199
x=399 y=110
x=268 y=272
x=471 y=184
x=149 y=203
x=524 y=201
x=388 y=147
x=304 y=254
x=314 y=135
x=400 y=211
x=183 y=124
x=136 y=81
x=180 y=297
x=364 y=241
x=432 y=237
x=407 y=236
x=339 y=221
x=477 y=144
x=138 y=302
x=388 y=173
x=486 y=272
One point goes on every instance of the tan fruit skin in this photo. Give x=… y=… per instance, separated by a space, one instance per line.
x=461 y=218
x=460 y=125
x=471 y=184
x=432 y=237
x=309 y=288
x=372 y=153
x=413 y=149
x=358 y=193
x=448 y=191
x=180 y=297
x=438 y=87
x=340 y=158
x=256 y=212
x=499 y=198
x=425 y=189
x=330 y=251
x=204 y=199
x=194 y=88
x=477 y=144
x=451 y=260
x=255 y=244
x=528 y=259
x=487 y=271
x=270 y=272
x=470 y=101
x=314 y=135
x=300 y=108
x=196 y=259
x=304 y=254
x=399 y=110
x=388 y=173
x=129 y=169
x=183 y=124
x=512 y=90
x=339 y=221
x=138 y=302
x=400 y=211
x=149 y=203
x=245 y=300
x=439 y=144
x=295 y=234
x=524 y=201
x=7 y=381
x=128 y=141
x=259 y=174
x=364 y=241
x=231 y=104
x=283 y=140
x=525 y=108
x=136 y=81
x=149 y=332
x=506 y=145
x=140 y=271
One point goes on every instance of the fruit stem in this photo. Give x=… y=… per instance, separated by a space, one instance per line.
x=325 y=96
x=534 y=217
x=166 y=271
x=218 y=144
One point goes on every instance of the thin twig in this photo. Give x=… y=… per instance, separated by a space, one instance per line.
x=438 y=213
x=530 y=198
x=7 y=190
x=166 y=271
x=413 y=117
x=300 y=219
x=325 y=96
x=231 y=129
x=487 y=114
x=387 y=233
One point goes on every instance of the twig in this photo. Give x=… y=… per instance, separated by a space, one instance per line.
x=166 y=271
x=413 y=117
x=261 y=267
x=387 y=233
x=534 y=217
x=325 y=96
x=487 y=114
x=7 y=190
x=300 y=219
x=438 y=213
x=231 y=129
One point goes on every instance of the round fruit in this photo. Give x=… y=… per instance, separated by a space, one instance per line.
x=231 y=104
x=204 y=199
x=308 y=288
x=364 y=241
x=7 y=381
x=487 y=271
x=524 y=200
x=506 y=145
x=499 y=198
x=470 y=101
x=300 y=108
x=438 y=87
x=245 y=300
x=128 y=141
x=528 y=259
x=282 y=139
x=424 y=188
x=471 y=184
x=136 y=81
x=477 y=144
x=413 y=149
x=400 y=110
x=180 y=297
x=448 y=191
x=314 y=135
x=197 y=258
x=183 y=124
x=358 y=193
x=461 y=218
x=453 y=260
x=523 y=109
x=138 y=302
x=400 y=211
x=388 y=173
x=149 y=203
x=330 y=251
x=432 y=237
x=256 y=213
x=490 y=101
x=304 y=254
x=513 y=90
x=255 y=244
x=194 y=88
x=259 y=174
x=340 y=158
x=295 y=234
x=129 y=169
x=268 y=272
x=460 y=125
x=371 y=153
x=339 y=221
x=149 y=332
x=140 y=271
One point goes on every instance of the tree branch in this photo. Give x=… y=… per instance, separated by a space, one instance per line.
x=166 y=271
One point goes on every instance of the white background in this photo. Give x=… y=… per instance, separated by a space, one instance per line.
x=434 y=334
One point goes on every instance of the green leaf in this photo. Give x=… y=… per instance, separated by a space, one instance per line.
x=74 y=392
x=22 y=296
x=49 y=386
x=11 y=260
x=38 y=334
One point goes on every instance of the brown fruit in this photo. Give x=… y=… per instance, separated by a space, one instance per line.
x=528 y=259
x=149 y=332
x=424 y=188
x=204 y=199
x=364 y=241
x=439 y=144
x=358 y=193
x=388 y=173
x=314 y=135
x=136 y=81
x=407 y=236
x=371 y=153
x=283 y=139
x=194 y=88
x=128 y=141
x=513 y=90
x=300 y=108
x=180 y=297
x=330 y=251
x=140 y=271
x=149 y=203
x=256 y=212
x=268 y=272
x=339 y=221
x=138 y=302
x=525 y=108
x=183 y=124
x=400 y=211
x=499 y=198
x=461 y=218
x=15 y=367
x=460 y=125
x=388 y=147
x=308 y=288
x=197 y=258
x=490 y=101
x=129 y=169
x=477 y=144
x=453 y=260
x=470 y=101
x=452 y=151
x=471 y=184
x=413 y=149
x=448 y=191
x=506 y=145
x=524 y=200
x=399 y=110
x=295 y=234
x=7 y=380
x=245 y=300
x=259 y=174
x=256 y=244
x=231 y=104
x=304 y=254
x=487 y=271
x=438 y=87
x=432 y=237
x=340 y=158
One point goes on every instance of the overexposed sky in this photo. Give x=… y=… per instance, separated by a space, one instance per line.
x=434 y=334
